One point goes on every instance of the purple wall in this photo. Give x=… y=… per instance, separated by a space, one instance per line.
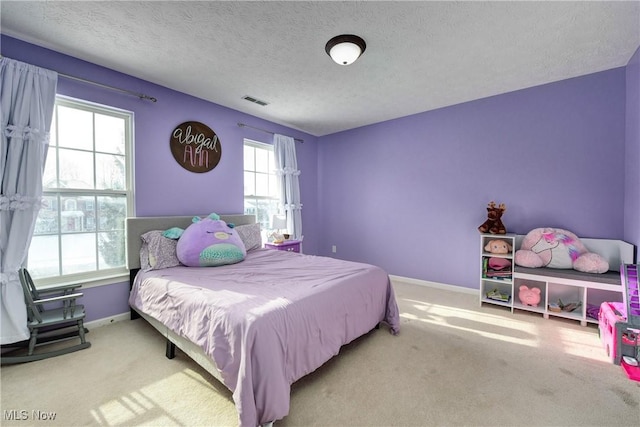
x=162 y=187
x=406 y=194
x=632 y=153
x=409 y=194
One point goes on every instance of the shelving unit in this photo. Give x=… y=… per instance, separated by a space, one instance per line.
x=496 y=282
x=566 y=286
x=585 y=293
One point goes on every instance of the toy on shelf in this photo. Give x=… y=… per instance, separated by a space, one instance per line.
x=493 y=224
x=529 y=296
x=496 y=268
x=558 y=248
x=497 y=295
x=560 y=306
x=498 y=246
x=569 y=307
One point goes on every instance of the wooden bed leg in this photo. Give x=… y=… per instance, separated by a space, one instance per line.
x=171 y=350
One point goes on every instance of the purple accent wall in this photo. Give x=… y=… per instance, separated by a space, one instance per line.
x=632 y=152
x=162 y=186
x=408 y=194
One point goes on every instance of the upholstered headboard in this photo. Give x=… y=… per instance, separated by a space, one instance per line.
x=137 y=226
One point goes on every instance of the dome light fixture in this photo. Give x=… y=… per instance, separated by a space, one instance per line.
x=345 y=49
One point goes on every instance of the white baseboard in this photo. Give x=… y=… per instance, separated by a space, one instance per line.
x=443 y=286
x=108 y=320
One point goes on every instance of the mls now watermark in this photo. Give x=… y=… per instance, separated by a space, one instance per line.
x=24 y=415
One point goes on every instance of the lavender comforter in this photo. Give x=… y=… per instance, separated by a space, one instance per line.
x=268 y=320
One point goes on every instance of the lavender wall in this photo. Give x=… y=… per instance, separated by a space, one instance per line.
x=406 y=194
x=632 y=153
x=162 y=187
x=409 y=194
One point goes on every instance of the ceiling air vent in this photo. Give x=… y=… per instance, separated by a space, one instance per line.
x=254 y=100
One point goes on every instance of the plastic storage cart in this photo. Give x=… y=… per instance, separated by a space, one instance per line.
x=628 y=333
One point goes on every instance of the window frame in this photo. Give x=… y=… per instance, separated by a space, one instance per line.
x=96 y=277
x=265 y=225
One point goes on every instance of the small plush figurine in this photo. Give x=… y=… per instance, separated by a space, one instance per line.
x=494 y=224
x=498 y=247
x=529 y=296
x=208 y=242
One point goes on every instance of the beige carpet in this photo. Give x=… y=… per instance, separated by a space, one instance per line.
x=453 y=364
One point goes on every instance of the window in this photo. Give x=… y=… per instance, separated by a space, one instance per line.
x=87 y=194
x=261 y=197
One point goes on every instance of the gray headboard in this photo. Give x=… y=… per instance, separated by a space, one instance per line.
x=137 y=226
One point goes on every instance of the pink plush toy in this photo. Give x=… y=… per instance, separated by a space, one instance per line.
x=498 y=247
x=558 y=248
x=495 y=263
x=529 y=296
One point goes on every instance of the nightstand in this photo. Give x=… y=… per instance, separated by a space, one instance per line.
x=287 y=245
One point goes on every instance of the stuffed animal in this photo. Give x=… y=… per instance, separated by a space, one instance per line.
x=529 y=296
x=498 y=247
x=494 y=224
x=558 y=248
x=495 y=263
x=208 y=242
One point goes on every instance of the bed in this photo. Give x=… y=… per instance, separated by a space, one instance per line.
x=261 y=324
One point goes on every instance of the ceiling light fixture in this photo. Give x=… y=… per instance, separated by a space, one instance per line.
x=345 y=49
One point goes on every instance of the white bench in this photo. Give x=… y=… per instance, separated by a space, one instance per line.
x=589 y=289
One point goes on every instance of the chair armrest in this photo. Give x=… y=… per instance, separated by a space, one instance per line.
x=56 y=289
x=58 y=298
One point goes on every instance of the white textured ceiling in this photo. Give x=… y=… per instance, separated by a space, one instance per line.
x=420 y=55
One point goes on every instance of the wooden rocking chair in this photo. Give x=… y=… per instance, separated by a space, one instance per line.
x=49 y=325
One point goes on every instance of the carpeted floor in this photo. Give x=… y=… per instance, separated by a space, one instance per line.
x=453 y=364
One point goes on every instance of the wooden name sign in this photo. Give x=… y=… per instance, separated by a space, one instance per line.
x=195 y=147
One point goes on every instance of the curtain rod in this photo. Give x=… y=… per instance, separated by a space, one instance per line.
x=128 y=92
x=117 y=89
x=242 y=125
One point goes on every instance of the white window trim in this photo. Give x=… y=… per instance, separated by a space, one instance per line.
x=115 y=275
x=262 y=146
x=266 y=230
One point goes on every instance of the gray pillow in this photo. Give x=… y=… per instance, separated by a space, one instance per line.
x=157 y=251
x=250 y=235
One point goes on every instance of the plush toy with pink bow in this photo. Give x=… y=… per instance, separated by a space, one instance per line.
x=558 y=248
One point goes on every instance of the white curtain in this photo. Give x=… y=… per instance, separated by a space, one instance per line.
x=287 y=171
x=27 y=98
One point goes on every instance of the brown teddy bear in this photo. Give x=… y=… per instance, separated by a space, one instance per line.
x=494 y=224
